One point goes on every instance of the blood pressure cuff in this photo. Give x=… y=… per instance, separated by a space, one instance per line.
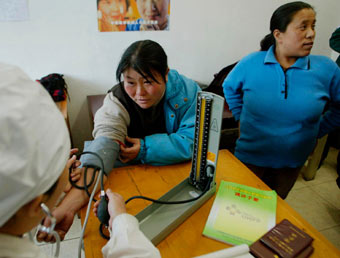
x=106 y=148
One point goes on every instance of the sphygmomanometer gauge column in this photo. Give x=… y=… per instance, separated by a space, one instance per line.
x=198 y=176
x=159 y=219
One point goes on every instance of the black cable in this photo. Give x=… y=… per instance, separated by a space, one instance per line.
x=95 y=154
x=101 y=232
x=160 y=202
x=73 y=183
x=86 y=187
x=96 y=169
x=163 y=202
x=174 y=202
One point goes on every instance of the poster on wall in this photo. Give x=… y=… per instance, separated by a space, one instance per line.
x=13 y=10
x=133 y=15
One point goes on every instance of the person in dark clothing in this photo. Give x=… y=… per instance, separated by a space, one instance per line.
x=334 y=43
x=334 y=137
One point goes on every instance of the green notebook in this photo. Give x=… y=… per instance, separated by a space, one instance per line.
x=240 y=214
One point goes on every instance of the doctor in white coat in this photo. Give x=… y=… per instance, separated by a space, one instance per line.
x=34 y=162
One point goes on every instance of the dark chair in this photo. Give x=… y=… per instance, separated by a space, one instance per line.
x=230 y=130
x=333 y=140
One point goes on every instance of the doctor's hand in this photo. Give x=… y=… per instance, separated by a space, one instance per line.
x=76 y=172
x=64 y=219
x=116 y=205
x=129 y=153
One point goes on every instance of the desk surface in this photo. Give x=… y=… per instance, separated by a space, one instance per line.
x=187 y=239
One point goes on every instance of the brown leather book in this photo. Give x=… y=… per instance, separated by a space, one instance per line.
x=284 y=240
x=259 y=250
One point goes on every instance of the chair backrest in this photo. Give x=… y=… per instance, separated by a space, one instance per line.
x=94 y=103
x=216 y=87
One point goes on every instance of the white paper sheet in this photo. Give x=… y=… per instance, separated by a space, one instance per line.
x=238 y=251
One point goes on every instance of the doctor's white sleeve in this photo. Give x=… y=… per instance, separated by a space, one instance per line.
x=128 y=241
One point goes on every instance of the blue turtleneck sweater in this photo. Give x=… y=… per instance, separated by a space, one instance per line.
x=280 y=112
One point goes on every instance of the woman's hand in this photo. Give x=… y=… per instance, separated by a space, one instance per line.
x=129 y=153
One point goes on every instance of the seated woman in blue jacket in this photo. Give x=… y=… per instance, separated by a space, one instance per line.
x=278 y=95
x=148 y=117
x=152 y=109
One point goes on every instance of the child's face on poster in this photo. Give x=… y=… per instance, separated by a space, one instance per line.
x=113 y=9
x=153 y=10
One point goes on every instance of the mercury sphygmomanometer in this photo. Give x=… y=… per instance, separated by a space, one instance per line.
x=159 y=219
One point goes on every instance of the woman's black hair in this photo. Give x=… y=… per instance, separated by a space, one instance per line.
x=281 y=19
x=145 y=57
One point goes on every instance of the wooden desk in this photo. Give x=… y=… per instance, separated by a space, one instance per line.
x=187 y=239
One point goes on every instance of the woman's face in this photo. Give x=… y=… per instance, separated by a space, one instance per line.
x=146 y=93
x=298 y=39
x=113 y=9
x=155 y=10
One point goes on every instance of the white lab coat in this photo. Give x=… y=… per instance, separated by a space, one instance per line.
x=126 y=241
x=12 y=246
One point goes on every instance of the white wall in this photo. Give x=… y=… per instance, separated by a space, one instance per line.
x=205 y=35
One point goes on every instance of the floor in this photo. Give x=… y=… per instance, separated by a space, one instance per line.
x=318 y=201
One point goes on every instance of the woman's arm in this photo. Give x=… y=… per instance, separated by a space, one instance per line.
x=232 y=89
x=164 y=149
x=111 y=120
x=177 y=144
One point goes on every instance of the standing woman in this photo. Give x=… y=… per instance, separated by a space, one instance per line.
x=278 y=95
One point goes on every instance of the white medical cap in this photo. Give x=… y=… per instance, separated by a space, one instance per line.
x=34 y=141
